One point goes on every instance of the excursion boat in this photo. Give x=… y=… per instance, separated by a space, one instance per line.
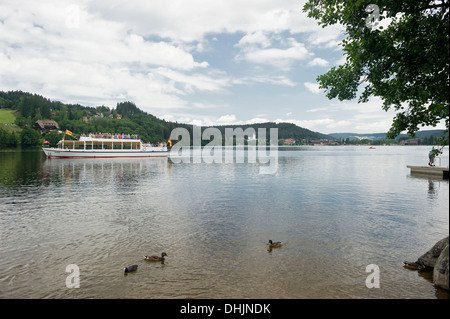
x=100 y=147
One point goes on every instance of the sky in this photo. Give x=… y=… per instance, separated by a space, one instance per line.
x=221 y=62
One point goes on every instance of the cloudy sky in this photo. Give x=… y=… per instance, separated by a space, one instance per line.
x=199 y=62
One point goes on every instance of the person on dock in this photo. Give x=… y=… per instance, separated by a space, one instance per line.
x=431 y=156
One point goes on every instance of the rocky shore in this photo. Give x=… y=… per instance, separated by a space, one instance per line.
x=436 y=259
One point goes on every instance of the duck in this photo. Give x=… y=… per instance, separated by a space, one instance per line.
x=156 y=258
x=130 y=268
x=414 y=265
x=276 y=244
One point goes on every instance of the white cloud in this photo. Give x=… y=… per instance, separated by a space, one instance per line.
x=195 y=81
x=191 y=20
x=281 y=58
x=63 y=51
x=350 y=116
x=313 y=87
x=328 y=37
x=268 y=79
x=138 y=50
x=202 y=119
x=227 y=119
x=169 y=57
x=318 y=62
x=212 y=120
x=254 y=39
x=257 y=120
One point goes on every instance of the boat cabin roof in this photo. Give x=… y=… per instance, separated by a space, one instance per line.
x=99 y=139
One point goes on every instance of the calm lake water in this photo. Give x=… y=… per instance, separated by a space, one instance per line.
x=337 y=209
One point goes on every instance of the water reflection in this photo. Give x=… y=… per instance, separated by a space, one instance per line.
x=103 y=174
x=105 y=167
x=434 y=184
x=336 y=211
x=431 y=189
x=18 y=167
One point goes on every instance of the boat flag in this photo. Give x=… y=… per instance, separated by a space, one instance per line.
x=170 y=142
x=68 y=132
x=46 y=142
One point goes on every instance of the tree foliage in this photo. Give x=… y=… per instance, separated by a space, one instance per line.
x=82 y=119
x=30 y=137
x=406 y=63
x=8 y=138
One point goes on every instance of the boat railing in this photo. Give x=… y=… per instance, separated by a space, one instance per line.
x=87 y=143
x=90 y=137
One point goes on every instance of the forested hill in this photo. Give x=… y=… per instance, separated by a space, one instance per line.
x=285 y=131
x=125 y=117
x=84 y=119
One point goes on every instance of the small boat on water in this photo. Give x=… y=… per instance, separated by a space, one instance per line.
x=91 y=146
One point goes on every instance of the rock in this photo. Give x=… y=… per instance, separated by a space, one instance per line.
x=413 y=265
x=440 y=271
x=437 y=259
x=430 y=258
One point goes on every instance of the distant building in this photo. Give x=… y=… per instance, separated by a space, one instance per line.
x=46 y=125
x=411 y=141
x=288 y=141
x=118 y=116
x=318 y=142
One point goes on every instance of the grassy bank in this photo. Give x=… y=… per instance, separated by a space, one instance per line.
x=7 y=116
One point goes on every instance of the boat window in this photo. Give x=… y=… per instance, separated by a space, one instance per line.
x=107 y=145
x=135 y=145
x=117 y=146
x=88 y=145
x=126 y=145
x=68 y=145
x=79 y=145
x=97 y=145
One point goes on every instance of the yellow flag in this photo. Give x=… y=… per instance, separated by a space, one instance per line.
x=68 y=132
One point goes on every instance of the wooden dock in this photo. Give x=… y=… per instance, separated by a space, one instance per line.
x=434 y=171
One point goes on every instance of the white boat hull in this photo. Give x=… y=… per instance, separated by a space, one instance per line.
x=65 y=153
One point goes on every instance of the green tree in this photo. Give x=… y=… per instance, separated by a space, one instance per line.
x=127 y=108
x=406 y=63
x=53 y=137
x=8 y=139
x=45 y=111
x=30 y=137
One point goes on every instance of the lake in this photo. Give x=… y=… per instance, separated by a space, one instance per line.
x=337 y=209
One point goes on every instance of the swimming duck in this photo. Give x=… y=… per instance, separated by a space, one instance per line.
x=276 y=244
x=414 y=265
x=155 y=258
x=130 y=268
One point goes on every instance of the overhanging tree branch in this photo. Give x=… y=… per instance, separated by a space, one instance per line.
x=406 y=64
